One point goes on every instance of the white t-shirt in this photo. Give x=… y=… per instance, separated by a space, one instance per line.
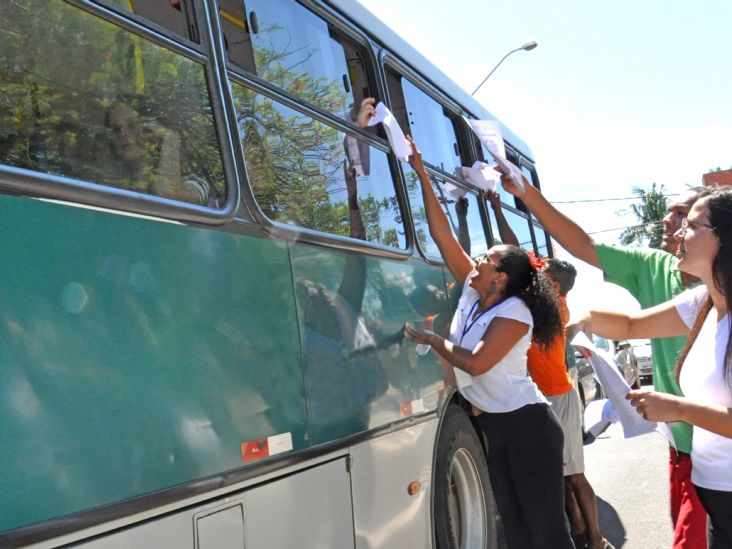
x=702 y=380
x=507 y=386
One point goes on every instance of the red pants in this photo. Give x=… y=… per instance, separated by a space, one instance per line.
x=688 y=516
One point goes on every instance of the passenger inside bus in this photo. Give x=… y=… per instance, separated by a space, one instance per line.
x=149 y=155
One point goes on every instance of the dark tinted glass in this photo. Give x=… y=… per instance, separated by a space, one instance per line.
x=294 y=49
x=308 y=174
x=541 y=241
x=519 y=225
x=463 y=214
x=431 y=129
x=107 y=107
x=166 y=13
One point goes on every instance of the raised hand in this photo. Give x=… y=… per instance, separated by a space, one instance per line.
x=366 y=112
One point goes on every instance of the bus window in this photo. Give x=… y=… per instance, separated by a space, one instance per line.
x=432 y=129
x=463 y=214
x=485 y=156
x=308 y=174
x=237 y=39
x=294 y=49
x=166 y=13
x=542 y=241
x=519 y=225
x=108 y=107
x=530 y=177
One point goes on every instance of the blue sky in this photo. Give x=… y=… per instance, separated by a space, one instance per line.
x=617 y=94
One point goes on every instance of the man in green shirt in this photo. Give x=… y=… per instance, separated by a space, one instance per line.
x=652 y=277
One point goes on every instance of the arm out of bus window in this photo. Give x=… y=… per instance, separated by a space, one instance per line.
x=499 y=338
x=565 y=231
x=457 y=260
x=504 y=229
x=660 y=321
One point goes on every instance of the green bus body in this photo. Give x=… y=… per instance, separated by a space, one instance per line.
x=170 y=332
x=139 y=355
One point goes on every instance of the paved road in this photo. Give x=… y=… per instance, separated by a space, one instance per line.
x=630 y=478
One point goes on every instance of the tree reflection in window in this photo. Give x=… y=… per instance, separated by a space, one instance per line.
x=56 y=105
x=462 y=213
x=294 y=49
x=306 y=173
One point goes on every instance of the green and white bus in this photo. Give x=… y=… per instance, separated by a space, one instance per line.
x=206 y=267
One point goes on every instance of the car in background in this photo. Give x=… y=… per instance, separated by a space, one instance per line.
x=643 y=359
x=583 y=377
x=622 y=351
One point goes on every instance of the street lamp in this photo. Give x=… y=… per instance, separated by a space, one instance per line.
x=527 y=47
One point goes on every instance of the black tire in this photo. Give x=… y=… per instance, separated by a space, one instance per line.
x=465 y=515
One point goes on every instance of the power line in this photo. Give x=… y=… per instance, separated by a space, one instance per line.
x=601 y=199
x=627 y=227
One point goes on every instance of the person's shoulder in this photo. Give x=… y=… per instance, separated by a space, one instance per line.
x=515 y=308
x=611 y=254
x=690 y=302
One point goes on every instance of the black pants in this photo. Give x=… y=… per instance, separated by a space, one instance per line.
x=526 y=472
x=719 y=508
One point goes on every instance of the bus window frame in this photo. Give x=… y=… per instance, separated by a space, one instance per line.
x=342 y=30
x=452 y=111
x=473 y=191
x=89 y=193
x=190 y=10
x=313 y=236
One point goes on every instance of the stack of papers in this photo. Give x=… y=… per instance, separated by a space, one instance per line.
x=489 y=133
x=397 y=141
x=479 y=174
x=616 y=388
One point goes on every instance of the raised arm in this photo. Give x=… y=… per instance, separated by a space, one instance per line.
x=504 y=229
x=660 y=321
x=457 y=260
x=565 y=231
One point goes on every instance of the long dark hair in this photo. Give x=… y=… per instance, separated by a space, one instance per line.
x=719 y=211
x=533 y=288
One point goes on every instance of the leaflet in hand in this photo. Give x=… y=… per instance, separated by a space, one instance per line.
x=599 y=414
x=615 y=387
x=455 y=191
x=481 y=175
x=489 y=133
x=394 y=133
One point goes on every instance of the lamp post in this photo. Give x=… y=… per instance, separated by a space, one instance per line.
x=526 y=47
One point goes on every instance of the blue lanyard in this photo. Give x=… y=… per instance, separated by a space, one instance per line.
x=469 y=325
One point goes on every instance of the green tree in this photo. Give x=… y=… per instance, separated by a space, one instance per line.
x=650 y=212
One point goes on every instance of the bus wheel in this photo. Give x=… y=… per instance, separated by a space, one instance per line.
x=463 y=506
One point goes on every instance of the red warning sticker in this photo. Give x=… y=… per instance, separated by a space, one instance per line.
x=260 y=448
x=411 y=407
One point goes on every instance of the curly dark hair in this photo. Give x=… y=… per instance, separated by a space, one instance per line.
x=533 y=288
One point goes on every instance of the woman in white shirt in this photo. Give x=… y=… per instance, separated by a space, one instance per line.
x=505 y=302
x=704 y=367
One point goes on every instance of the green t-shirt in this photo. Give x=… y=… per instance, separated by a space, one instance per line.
x=652 y=277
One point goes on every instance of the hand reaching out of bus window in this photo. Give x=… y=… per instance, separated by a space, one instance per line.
x=415 y=159
x=510 y=185
x=366 y=112
x=494 y=199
